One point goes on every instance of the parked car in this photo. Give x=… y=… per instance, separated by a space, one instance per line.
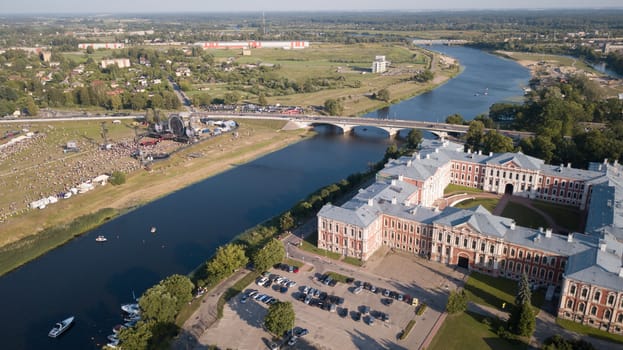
x=308 y=298
x=356 y=316
x=301 y=332
x=370 y=320
x=244 y=298
x=292 y=340
x=358 y=290
x=386 y=293
x=283 y=289
x=343 y=312
x=365 y=309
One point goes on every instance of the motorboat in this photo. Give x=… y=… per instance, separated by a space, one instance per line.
x=131 y=308
x=112 y=337
x=101 y=238
x=61 y=327
x=116 y=329
x=153 y=229
x=113 y=344
x=132 y=317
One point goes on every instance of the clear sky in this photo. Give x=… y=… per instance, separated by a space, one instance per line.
x=150 y=6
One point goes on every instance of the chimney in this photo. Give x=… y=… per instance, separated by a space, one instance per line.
x=409 y=162
x=469 y=151
x=569 y=165
x=400 y=178
x=490 y=154
x=621 y=271
x=602 y=246
x=417 y=156
x=394 y=200
x=370 y=201
x=570 y=237
x=393 y=182
x=413 y=211
x=436 y=150
x=616 y=162
x=513 y=225
x=541 y=229
x=548 y=233
x=537 y=237
x=479 y=152
x=428 y=156
x=407 y=203
x=605 y=160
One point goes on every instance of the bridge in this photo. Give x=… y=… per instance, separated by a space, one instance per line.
x=439 y=42
x=347 y=124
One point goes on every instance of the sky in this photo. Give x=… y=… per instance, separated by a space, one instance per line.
x=151 y=6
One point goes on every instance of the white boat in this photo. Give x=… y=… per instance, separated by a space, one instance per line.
x=131 y=308
x=153 y=229
x=132 y=317
x=113 y=344
x=112 y=337
x=101 y=238
x=61 y=327
x=116 y=329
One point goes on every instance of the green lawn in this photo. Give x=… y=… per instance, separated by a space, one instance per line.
x=493 y=291
x=590 y=331
x=524 y=216
x=566 y=216
x=337 y=276
x=310 y=244
x=353 y=261
x=467 y=331
x=452 y=188
x=489 y=203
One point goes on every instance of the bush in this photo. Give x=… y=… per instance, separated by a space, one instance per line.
x=421 y=309
x=407 y=330
x=117 y=178
x=457 y=302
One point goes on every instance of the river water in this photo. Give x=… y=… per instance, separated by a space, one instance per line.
x=90 y=280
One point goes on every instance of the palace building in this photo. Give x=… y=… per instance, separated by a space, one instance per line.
x=405 y=210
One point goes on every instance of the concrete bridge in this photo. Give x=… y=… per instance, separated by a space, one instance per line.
x=391 y=126
x=439 y=42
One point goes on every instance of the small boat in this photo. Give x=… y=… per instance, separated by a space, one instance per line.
x=101 y=238
x=132 y=317
x=61 y=327
x=113 y=344
x=113 y=337
x=131 y=308
x=116 y=329
x=153 y=229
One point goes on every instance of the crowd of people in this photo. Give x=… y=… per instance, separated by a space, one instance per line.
x=37 y=168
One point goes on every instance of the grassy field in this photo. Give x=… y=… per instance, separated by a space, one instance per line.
x=467 y=330
x=489 y=203
x=310 y=244
x=566 y=216
x=524 y=216
x=590 y=331
x=494 y=291
x=452 y=188
x=349 y=63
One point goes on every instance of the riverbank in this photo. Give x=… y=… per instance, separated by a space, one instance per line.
x=184 y=168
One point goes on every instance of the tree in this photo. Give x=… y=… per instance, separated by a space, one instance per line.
x=158 y=304
x=391 y=152
x=227 y=259
x=180 y=287
x=280 y=318
x=524 y=294
x=272 y=253
x=262 y=99
x=333 y=107
x=231 y=98
x=383 y=95
x=457 y=302
x=475 y=135
x=493 y=141
x=90 y=50
x=527 y=321
x=286 y=221
x=455 y=119
x=136 y=337
x=117 y=178
x=414 y=138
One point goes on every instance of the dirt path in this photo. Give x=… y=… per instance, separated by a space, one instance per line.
x=205 y=316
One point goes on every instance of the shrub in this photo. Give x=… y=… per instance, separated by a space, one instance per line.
x=117 y=178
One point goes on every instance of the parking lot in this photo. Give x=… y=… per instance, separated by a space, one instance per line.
x=241 y=325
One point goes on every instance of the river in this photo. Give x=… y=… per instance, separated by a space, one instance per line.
x=90 y=280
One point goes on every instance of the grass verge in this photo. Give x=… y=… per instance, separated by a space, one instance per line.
x=564 y=215
x=524 y=216
x=590 y=331
x=489 y=203
x=310 y=245
x=18 y=253
x=468 y=330
x=407 y=330
x=494 y=291
x=234 y=290
x=452 y=188
x=353 y=261
x=338 y=277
